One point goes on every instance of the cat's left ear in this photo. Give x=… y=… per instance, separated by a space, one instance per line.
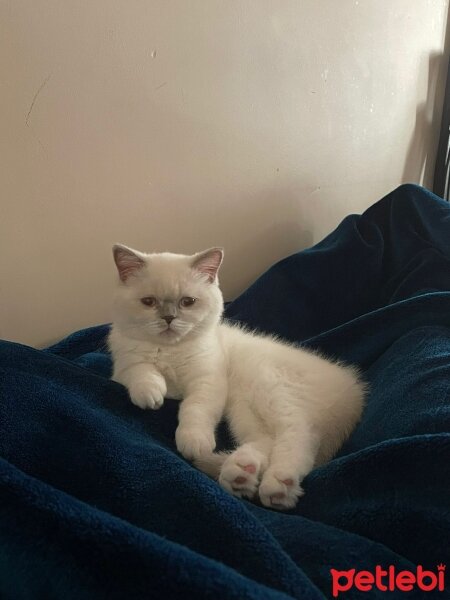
x=208 y=262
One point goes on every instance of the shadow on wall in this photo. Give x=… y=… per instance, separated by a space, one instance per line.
x=419 y=162
x=428 y=119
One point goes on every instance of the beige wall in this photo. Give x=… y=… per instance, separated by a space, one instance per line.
x=177 y=125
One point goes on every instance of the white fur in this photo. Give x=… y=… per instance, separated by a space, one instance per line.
x=289 y=409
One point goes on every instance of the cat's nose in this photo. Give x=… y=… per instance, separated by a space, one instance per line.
x=168 y=319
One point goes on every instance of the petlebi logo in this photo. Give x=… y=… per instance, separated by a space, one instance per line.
x=388 y=580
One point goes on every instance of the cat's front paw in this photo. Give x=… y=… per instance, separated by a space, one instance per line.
x=192 y=443
x=148 y=394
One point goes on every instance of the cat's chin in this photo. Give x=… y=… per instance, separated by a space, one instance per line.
x=169 y=334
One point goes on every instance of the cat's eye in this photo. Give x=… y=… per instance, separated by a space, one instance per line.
x=187 y=301
x=149 y=301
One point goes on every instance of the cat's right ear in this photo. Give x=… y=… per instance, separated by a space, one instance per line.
x=128 y=261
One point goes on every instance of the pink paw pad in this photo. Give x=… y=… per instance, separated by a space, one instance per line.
x=288 y=481
x=248 y=468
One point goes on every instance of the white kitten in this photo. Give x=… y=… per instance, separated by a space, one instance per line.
x=289 y=409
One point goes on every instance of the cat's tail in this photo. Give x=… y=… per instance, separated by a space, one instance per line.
x=211 y=463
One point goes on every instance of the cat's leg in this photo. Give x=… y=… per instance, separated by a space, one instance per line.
x=199 y=413
x=293 y=456
x=242 y=470
x=146 y=386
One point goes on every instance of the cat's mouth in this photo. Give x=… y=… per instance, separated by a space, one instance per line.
x=168 y=332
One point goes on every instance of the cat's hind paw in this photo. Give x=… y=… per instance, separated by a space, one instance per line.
x=241 y=472
x=279 y=490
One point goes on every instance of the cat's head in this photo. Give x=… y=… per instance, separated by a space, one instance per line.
x=163 y=298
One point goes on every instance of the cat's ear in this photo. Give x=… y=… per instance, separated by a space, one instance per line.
x=208 y=262
x=127 y=261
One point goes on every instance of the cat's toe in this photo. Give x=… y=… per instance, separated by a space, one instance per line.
x=146 y=395
x=241 y=486
x=194 y=444
x=279 y=491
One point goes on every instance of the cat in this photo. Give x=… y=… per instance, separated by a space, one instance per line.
x=288 y=408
